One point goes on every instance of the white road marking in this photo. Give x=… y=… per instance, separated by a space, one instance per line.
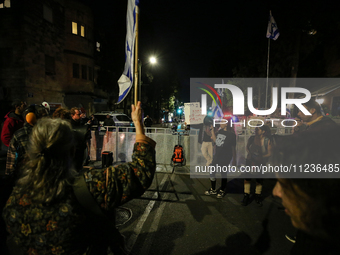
x=133 y=238
x=154 y=226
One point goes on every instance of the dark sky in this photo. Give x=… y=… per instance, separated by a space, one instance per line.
x=206 y=38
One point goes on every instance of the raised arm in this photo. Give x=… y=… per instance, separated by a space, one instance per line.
x=116 y=185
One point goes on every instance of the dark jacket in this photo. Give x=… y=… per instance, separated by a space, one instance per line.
x=204 y=132
x=75 y=123
x=325 y=121
x=109 y=122
x=148 y=122
x=12 y=123
x=62 y=227
x=306 y=244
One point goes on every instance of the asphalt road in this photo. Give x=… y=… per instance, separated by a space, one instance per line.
x=174 y=217
x=180 y=219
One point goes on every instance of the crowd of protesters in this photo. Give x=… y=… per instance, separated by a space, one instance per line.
x=311 y=204
x=42 y=203
x=46 y=181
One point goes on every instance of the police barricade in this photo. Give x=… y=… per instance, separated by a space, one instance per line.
x=120 y=142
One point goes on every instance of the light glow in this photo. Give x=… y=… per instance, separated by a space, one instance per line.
x=74 y=28
x=153 y=60
x=320 y=100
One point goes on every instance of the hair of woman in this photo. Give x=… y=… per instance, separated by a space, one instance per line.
x=266 y=129
x=48 y=170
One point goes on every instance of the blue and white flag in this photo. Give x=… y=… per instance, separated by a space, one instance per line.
x=272 y=30
x=125 y=82
x=216 y=111
x=220 y=90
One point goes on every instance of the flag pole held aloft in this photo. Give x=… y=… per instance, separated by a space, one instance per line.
x=136 y=56
x=272 y=33
x=126 y=80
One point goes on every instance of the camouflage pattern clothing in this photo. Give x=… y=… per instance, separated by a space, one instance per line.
x=62 y=227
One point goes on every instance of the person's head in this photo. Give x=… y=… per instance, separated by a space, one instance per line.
x=34 y=112
x=314 y=108
x=108 y=116
x=208 y=121
x=312 y=204
x=62 y=113
x=147 y=116
x=225 y=124
x=19 y=106
x=75 y=113
x=48 y=169
x=263 y=130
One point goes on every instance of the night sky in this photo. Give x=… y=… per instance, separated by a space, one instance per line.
x=212 y=38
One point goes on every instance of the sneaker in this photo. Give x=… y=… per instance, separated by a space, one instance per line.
x=291 y=238
x=221 y=194
x=210 y=192
x=258 y=199
x=245 y=200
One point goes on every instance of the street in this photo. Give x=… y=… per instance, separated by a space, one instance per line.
x=174 y=217
x=180 y=219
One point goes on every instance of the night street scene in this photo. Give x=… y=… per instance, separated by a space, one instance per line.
x=169 y=127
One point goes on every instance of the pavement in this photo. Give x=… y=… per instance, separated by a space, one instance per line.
x=174 y=217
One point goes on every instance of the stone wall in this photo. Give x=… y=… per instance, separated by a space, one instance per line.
x=32 y=37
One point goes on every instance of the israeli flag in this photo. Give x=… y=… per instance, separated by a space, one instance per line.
x=125 y=82
x=272 y=30
x=216 y=111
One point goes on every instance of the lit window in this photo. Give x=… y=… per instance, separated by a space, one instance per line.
x=6 y=4
x=48 y=14
x=82 y=31
x=74 y=28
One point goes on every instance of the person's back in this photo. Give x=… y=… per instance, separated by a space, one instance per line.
x=108 y=121
x=13 y=121
x=43 y=215
x=18 y=146
x=148 y=121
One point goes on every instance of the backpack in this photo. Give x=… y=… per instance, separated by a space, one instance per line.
x=178 y=156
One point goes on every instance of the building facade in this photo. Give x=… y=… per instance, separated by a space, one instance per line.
x=47 y=53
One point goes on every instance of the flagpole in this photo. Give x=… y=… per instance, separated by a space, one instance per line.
x=267 y=72
x=136 y=56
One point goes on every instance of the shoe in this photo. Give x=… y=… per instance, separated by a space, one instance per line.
x=221 y=194
x=291 y=238
x=258 y=199
x=245 y=200
x=210 y=192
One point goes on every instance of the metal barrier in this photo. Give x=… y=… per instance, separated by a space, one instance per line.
x=120 y=140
